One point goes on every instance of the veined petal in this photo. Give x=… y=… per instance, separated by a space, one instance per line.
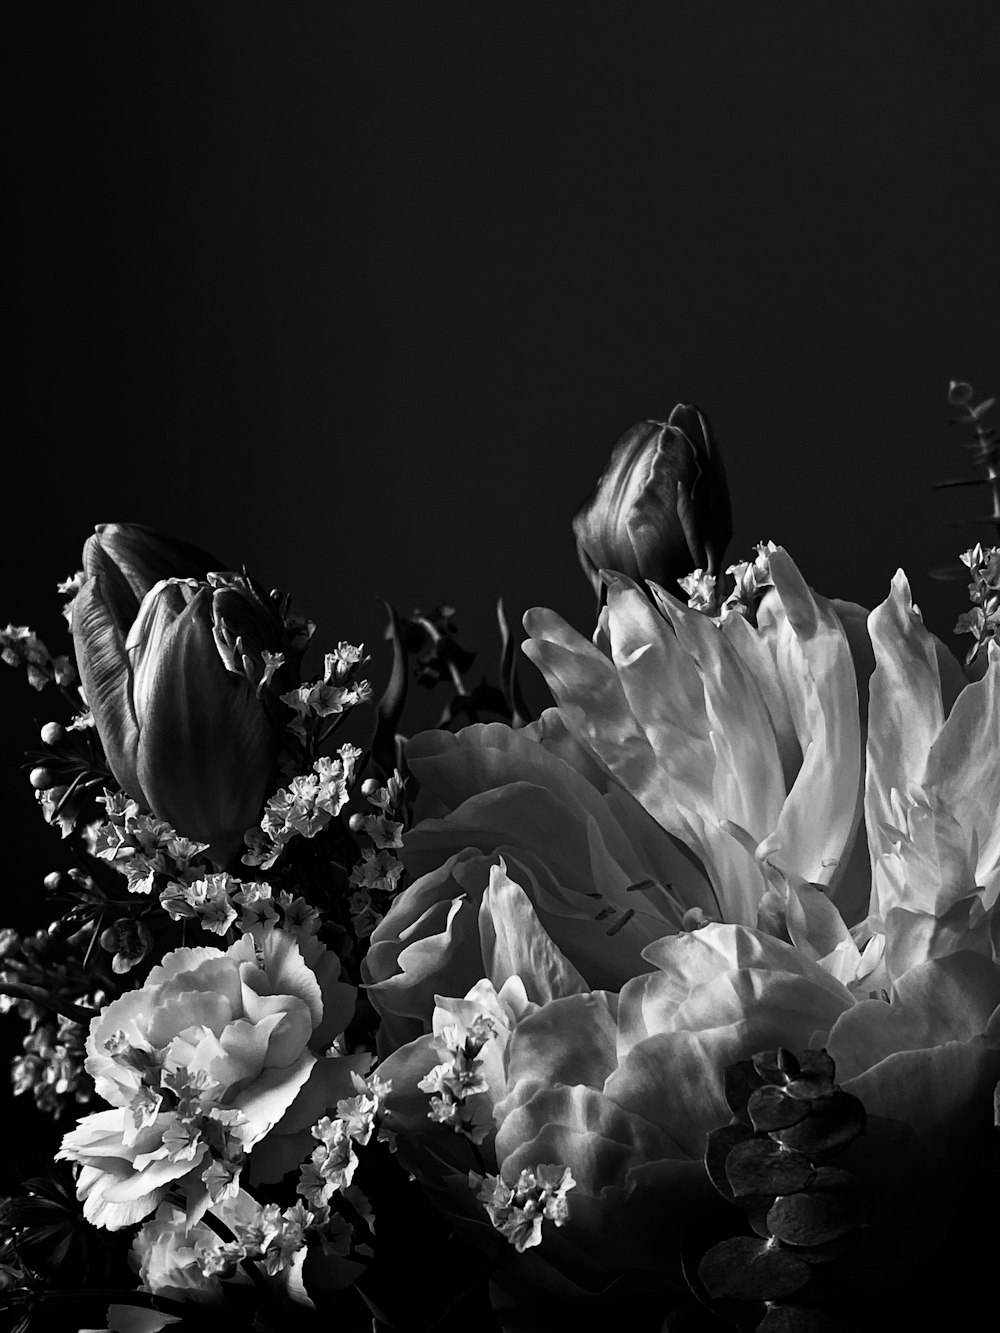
x=962 y=765
x=106 y=676
x=207 y=747
x=906 y=710
x=590 y=695
x=746 y=778
x=818 y=819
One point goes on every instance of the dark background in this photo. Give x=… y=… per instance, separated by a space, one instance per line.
x=362 y=294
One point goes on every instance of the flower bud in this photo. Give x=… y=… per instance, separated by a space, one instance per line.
x=188 y=725
x=41 y=778
x=661 y=506
x=52 y=733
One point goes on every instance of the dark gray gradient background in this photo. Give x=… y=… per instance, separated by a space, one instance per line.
x=362 y=294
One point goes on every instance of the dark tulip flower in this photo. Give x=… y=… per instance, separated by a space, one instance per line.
x=661 y=506
x=185 y=696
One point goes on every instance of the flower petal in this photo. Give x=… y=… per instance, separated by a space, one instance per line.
x=106 y=677
x=515 y=945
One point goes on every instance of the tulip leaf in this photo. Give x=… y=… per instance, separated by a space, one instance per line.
x=390 y=706
x=833 y=1205
x=761 y=1166
x=749 y=1268
x=828 y=1129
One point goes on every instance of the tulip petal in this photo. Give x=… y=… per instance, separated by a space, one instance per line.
x=139 y=556
x=207 y=748
x=819 y=817
x=106 y=677
x=906 y=711
x=962 y=767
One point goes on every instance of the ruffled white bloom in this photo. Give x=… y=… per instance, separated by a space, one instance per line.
x=217 y=1056
x=718 y=778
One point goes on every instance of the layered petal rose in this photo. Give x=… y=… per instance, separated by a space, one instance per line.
x=214 y=1053
x=604 y=879
x=623 y=1090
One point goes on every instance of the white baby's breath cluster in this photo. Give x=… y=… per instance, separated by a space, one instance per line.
x=51 y=1068
x=21 y=646
x=456 y=1083
x=700 y=588
x=143 y=848
x=304 y=808
x=332 y=1164
x=337 y=690
x=752 y=578
x=518 y=1211
x=274 y=1237
x=376 y=878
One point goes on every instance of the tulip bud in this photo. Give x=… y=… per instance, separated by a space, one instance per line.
x=187 y=725
x=661 y=506
x=41 y=778
x=52 y=733
x=130 y=558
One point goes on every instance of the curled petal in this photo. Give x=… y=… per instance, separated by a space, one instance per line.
x=106 y=676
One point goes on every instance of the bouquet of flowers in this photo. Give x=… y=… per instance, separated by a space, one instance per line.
x=677 y=1004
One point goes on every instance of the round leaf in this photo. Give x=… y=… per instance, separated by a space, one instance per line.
x=827 y=1130
x=761 y=1166
x=769 y=1108
x=718 y=1146
x=748 y=1268
x=833 y=1205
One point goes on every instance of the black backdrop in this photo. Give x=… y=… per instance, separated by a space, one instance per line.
x=361 y=294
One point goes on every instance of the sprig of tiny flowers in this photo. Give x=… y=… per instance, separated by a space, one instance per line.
x=37 y=980
x=751 y=579
x=274 y=1238
x=457 y=1081
x=983 y=620
x=331 y=1166
x=304 y=808
x=517 y=1211
x=21 y=646
x=331 y=696
x=52 y=1066
x=376 y=879
x=153 y=857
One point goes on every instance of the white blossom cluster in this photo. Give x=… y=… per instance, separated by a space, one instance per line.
x=454 y=1084
x=375 y=880
x=331 y=1166
x=304 y=808
x=518 y=1211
